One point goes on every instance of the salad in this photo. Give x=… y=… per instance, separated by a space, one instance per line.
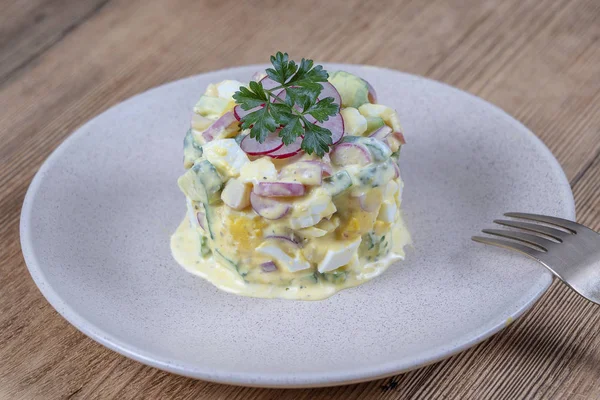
x=292 y=184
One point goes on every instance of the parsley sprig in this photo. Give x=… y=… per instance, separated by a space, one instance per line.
x=297 y=113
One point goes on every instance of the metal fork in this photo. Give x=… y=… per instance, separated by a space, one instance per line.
x=569 y=250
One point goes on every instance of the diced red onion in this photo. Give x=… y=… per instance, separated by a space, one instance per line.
x=282 y=238
x=279 y=189
x=268 y=266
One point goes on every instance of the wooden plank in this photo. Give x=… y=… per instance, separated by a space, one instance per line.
x=28 y=28
x=539 y=60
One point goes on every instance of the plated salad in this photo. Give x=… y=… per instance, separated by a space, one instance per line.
x=292 y=184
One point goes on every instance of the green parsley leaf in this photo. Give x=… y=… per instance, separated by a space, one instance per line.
x=306 y=72
x=261 y=123
x=316 y=139
x=305 y=95
x=324 y=109
x=292 y=130
x=283 y=69
x=296 y=115
x=247 y=99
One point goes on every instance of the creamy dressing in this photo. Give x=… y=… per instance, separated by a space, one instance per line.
x=185 y=247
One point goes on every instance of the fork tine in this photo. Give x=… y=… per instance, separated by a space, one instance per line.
x=544 y=230
x=533 y=240
x=505 y=244
x=562 y=223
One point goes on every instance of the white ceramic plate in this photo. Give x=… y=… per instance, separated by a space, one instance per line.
x=97 y=218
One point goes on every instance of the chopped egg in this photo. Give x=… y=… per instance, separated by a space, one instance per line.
x=338 y=257
x=226 y=155
x=294 y=225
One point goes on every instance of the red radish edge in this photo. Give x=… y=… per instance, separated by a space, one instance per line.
x=254 y=148
x=372 y=93
x=363 y=149
x=287 y=151
x=400 y=137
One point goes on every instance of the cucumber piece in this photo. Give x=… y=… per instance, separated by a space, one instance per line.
x=379 y=150
x=201 y=183
x=375 y=175
x=204 y=247
x=241 y=269
x=352 y=89
x=239 y=138
x=211 y=107
x=373 y=123
x=209 y=212
x=191 y=150
x=335 y=277
x=350 y=139
x=337 y=183
x=309 y=279
x=374 y=246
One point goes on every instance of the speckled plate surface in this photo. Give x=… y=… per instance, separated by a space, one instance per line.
x=97 y=218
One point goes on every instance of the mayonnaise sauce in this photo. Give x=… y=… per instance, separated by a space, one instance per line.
x=185 y=247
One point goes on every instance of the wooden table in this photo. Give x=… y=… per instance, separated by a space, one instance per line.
x=63 y=62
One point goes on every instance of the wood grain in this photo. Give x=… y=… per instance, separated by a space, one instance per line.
x=537 y=59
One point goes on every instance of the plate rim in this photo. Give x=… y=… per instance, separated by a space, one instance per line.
x=285 y=380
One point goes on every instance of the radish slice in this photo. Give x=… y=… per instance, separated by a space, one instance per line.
x=268 y=83
x=372 y=94
x=219 y=126
x=381 y=133
x=240 y=113
x=268 y=266
x=335 y=124
x=286 y=239
x=351 y=154
x=268 y=208
x=400 y=137
x=200 y=217
x=287 y=151
x=254 y=148
x=279 y=189
x=330 y=91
